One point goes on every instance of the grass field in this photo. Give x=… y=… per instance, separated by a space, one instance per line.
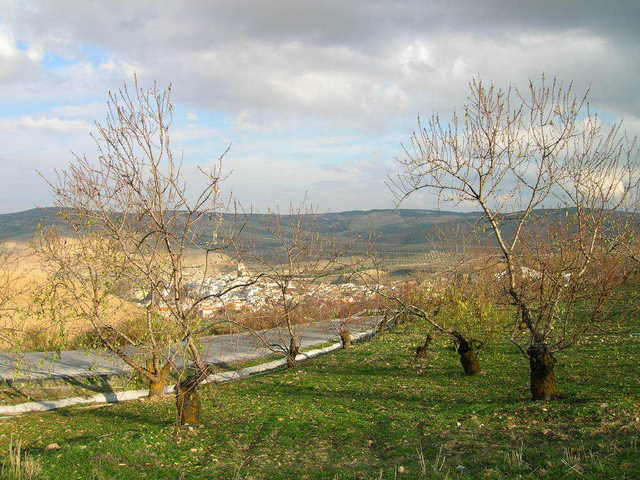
x=368 y=413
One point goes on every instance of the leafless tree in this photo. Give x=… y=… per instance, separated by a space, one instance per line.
x=10 y=290
x=413 y=301
x=627 y=242
x=133 y=218
x=300 y=258
x=514 y=155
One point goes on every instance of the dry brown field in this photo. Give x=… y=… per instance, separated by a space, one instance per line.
x=34 y=315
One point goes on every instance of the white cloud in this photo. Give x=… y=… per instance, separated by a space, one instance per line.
x=91 y=111
x=45 y=124
x=288 y=76
x=194 y=132
x=14 y=62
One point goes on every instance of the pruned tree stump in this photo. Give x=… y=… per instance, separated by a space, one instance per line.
x=467 y=349
x=470 y=362
x=422 y=351
x=345 y=338
x=544 y=385
x=293 y=352
x=189 y=405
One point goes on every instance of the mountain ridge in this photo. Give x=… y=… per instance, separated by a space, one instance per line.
x=394 y=230
x=391 y=226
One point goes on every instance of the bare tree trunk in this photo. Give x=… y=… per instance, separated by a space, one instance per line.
x=468 y=356
x=160 y=379
x=345 y=338
x=188 y=403
x=543 y=377
x=292 y=353
x=422 y=351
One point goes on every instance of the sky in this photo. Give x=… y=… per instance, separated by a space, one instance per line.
x=314 y=97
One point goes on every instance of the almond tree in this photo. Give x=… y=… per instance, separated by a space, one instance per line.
x=299 y=259
x=10 y=290
x=514 y=155
x=133 y=217
x=415 y=302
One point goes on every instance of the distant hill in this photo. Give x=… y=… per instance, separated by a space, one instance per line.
x=396 y=231
x=21 y=226
x=393 y=229
x=406 y=229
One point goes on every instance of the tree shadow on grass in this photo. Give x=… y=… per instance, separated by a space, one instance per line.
x=141 y=416
x=299 y=393
x=406 y=371
x=12 y=390
x=263 y=434
x=96 y=384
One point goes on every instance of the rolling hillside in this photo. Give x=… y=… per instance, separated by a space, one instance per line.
x=393 y=229
x=397 y=232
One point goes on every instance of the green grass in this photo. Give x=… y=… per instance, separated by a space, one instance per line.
x=369 y=412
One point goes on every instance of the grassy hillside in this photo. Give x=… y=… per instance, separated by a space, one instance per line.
x=397 y=232
x=369 y=413
x=21 y=226
x=402 y=230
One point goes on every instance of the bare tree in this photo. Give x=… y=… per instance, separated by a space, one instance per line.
x=627 y=228
x=429 y=300
x=133 y=219
x=10 y=290
x=413 y=302
x=298 y=261
x=513 y=155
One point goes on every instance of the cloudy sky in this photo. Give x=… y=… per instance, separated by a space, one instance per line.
x=314 y=96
